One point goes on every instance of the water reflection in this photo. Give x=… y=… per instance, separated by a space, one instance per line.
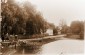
x=26 y=49
x=56 y=47
x=30 y=49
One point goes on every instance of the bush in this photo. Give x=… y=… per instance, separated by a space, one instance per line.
x=81 y=35
x=69 y=34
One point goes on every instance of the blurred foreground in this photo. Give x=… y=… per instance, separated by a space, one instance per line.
x=58 y=45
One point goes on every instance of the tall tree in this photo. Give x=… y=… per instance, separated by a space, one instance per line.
x=20 y=19
x=77 y=27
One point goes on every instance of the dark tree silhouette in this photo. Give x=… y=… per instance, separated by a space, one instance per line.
x=18 y=19
x=77 y=27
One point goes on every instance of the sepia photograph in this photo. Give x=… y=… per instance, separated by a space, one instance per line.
x=42 y=27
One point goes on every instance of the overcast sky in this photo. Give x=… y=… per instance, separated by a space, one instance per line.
x=55 y=10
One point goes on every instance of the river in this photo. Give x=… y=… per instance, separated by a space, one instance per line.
x=60 y=47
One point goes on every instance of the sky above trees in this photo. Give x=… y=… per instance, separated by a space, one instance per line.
x=56 y=10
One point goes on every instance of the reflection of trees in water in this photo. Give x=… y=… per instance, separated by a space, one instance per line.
x=3 y=49
x=31 y=49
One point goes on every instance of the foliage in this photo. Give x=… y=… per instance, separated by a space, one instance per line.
x=77 y=27
x=55 y=31
x=64 y=29
x=21 y=19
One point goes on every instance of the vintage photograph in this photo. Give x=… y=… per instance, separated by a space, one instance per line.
x=42 y=27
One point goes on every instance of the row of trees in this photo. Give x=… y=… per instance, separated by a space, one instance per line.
x=25 y=19
x=76 y=28
x=21 y=19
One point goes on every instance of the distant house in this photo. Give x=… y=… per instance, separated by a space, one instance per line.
x=49 y=31
x=52 y=31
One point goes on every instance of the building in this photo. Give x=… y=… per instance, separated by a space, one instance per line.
x=49 y=31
